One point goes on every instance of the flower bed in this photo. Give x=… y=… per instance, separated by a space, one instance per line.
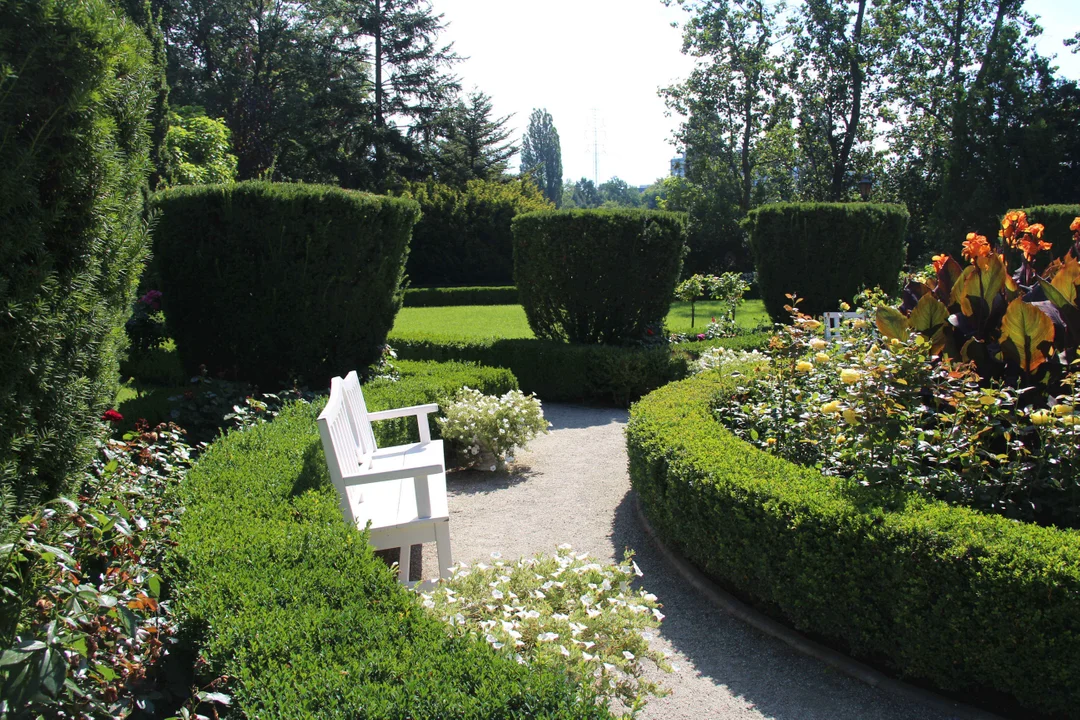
x=962 y=600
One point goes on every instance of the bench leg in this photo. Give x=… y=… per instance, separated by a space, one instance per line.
x=442 y=542
x=404 y=559
x=423 y=496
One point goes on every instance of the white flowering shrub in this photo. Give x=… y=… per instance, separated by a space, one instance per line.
x=491 y=424
x=562 y=610
x=718 y=357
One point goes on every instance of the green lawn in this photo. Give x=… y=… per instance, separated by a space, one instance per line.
x=508 y=321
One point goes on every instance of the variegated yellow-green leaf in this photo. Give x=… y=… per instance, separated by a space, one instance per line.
x=892 y=323
x=1026 y=335
x=1067 y=278
x=981 y=281
x=929 y=315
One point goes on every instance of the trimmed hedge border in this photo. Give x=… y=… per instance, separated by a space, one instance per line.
x=965 y=601
x=454 y=296
x=277 y=593
x=563 y=372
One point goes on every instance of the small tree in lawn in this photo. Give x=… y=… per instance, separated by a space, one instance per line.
x=728 y=288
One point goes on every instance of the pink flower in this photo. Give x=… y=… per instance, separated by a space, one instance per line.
x=701 y=336
x=152 y=298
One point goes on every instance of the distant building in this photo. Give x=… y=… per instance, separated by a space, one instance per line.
x=678 y=166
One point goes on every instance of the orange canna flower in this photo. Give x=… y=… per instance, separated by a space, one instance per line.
x=940 y=260
x=1031 y=246
x=1014 y=223
x=976 y=247
x=1075 y=227
x=1037 y=230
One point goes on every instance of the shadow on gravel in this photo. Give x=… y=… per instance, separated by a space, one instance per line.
x=778 y=681
x=478 y=482
x=578 y=417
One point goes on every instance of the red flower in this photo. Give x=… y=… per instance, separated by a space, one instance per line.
x=112 y=416
x=649 y=331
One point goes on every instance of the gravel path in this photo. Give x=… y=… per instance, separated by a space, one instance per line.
x=572 y=486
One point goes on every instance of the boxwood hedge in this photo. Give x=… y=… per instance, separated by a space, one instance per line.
x=825 y=252
x=448 y=296
x=560 y=372
x=279 y=595
x=960 y=600
x=269 y=282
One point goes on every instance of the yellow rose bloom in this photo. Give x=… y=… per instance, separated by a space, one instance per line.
x=1071 y=420
x=822 y=358
x=1041 y=417
x=830 y=408
x=819 y=344
x=803 y=366
x=840 y=439
x=770 y=441
x=1062 y=410
x=850 y=417
x=849 y=376
x=859 y=323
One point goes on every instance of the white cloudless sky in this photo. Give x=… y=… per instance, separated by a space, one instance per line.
x=596 y=65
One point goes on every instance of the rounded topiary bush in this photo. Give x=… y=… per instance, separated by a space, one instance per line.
x=76 y=85
x=825 y=252
x=269 y=282
x=597 y=276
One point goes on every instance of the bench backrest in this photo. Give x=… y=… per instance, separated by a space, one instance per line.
x=834 y=319
x=339 y=444
x=356 y=409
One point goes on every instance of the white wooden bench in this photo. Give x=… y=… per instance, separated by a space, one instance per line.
x=834 y=319
x=400 y=490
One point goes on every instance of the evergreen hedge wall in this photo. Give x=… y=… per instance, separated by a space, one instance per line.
x=463 y=236
x=825 y=252
x=76 y=85
x=270 y=282
x=597 y=276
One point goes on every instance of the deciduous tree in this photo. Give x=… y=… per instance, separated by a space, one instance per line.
x=541 y=155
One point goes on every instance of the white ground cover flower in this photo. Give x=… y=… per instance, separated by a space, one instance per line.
x=493 y=424
x=718 y=358
x=562 y=625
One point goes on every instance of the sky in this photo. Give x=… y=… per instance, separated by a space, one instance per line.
x=596 y=65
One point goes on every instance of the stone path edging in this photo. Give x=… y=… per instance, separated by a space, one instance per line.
x=853 y=668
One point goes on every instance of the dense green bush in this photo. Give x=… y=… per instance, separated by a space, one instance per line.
x=76 y=86
x=965 y=601
x=559 y=372
x=464 y=236
x=1056 y=219
x=283 y=598
x=268 y=282
x=446 y=297
x=597 y=276
x=825 y=252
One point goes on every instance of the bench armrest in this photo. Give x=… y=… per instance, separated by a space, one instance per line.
x=420 y=411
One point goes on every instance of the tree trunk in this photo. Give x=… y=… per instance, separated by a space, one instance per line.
x=841 y=162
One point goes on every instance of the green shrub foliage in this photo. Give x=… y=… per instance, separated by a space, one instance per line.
x=597 y=276
x=446 y=297
x=559 y=372
x=464 y=236
x=268 y=282
x=75 y=89
x=825 y=252
x=961 y=600
x=282 y=597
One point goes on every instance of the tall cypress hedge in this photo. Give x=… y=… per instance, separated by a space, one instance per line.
x=464 y=236
x=76 y=85
x=271 y=282
x=825 y=252
x=597 y=276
